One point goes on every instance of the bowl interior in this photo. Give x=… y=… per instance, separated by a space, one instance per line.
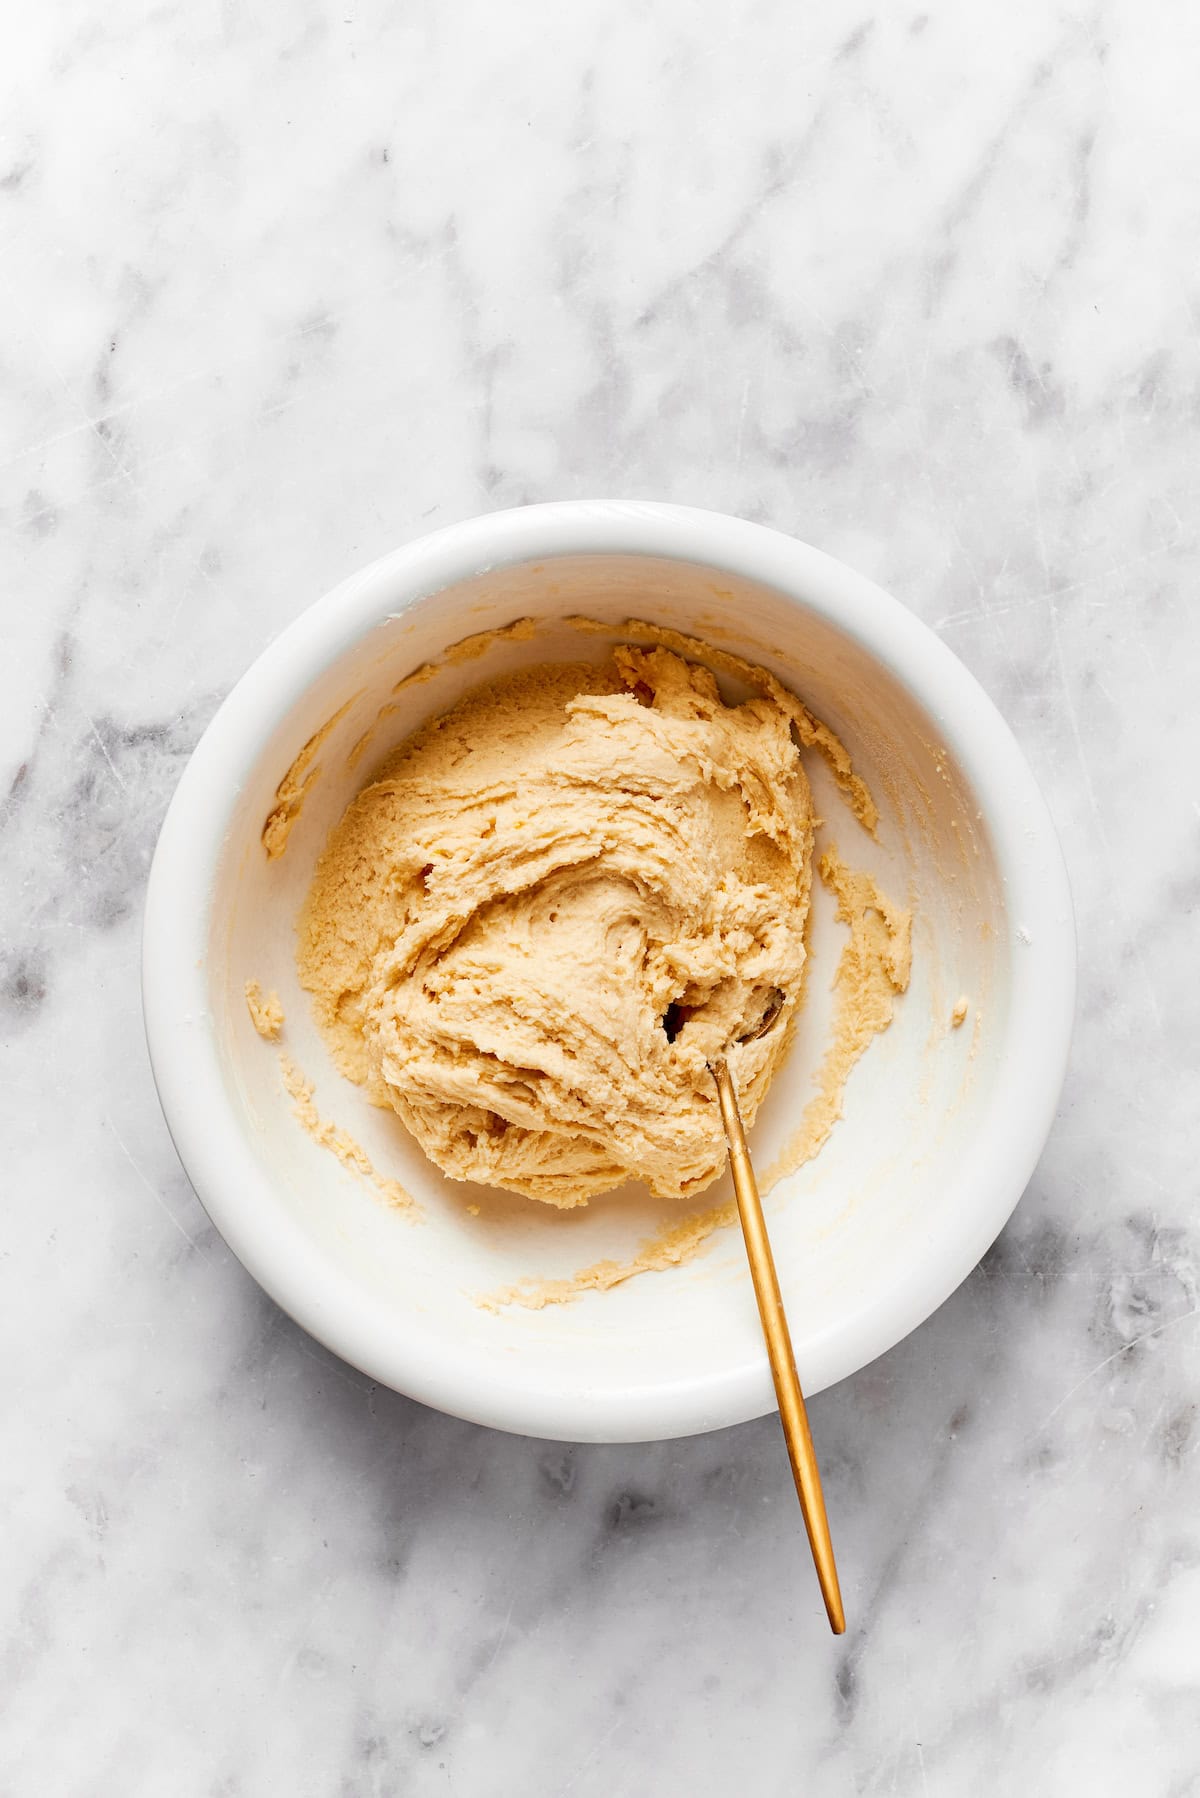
x=850 y=1230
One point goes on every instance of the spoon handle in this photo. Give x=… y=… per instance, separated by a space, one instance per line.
x=792 y=1413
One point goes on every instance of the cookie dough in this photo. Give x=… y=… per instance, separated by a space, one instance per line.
x=551 y=907
x=872 y=971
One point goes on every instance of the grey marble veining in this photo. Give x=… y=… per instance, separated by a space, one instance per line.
x=282 y=287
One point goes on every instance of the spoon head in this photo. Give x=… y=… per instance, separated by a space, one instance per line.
x=772 y=1007
x=677 y=1016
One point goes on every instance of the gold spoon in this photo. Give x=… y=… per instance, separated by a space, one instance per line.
x=792 y=1413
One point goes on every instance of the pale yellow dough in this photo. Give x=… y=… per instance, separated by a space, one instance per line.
x=504 y=916
x=872 y=971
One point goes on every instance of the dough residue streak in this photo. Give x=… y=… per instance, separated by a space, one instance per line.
x=873 y=970
x=469 y=649
x=295 y=787
x=338 y=1142
x=266 y=1012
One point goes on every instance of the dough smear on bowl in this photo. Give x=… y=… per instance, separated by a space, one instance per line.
x=551 y=907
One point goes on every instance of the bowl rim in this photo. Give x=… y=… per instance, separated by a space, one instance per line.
x=236 y=1192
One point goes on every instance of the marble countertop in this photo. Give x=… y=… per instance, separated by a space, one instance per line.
x=284 y=287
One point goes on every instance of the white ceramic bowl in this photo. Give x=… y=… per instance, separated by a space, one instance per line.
x=942 y=1127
